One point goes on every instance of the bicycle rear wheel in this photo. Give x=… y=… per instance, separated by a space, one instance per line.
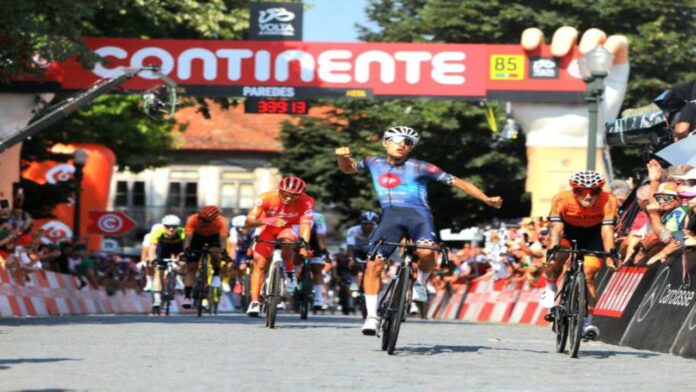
x=305 y=291
x=170 y=290
x=246 y=292
x=214 y=299
x=397 y=307
x=577 y=309
x=560 y=326
x=273 y=296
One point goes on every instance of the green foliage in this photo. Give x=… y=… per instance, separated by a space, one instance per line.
x=455 y=134
x=55 y=30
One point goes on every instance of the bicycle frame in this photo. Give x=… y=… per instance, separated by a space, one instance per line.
x=272 y=288
x=569 y=315
x=397 y=297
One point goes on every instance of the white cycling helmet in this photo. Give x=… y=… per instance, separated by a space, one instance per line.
x=239 y=221
x=400 y=130
x=171 y=220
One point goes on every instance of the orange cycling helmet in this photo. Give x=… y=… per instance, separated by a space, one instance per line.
x=587 y=179
x=294 y=185
x=208 y=212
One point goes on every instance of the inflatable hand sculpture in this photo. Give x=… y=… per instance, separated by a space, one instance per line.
x=557 y=134
x=15 y=112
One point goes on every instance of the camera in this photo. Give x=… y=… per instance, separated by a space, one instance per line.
x=650 y=130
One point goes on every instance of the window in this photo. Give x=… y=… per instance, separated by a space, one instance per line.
x=139 y=194
x=237 y=190
x=174 y=194
x=121 y=194
x=228 y=195
x=246 y=196
x=191 y=197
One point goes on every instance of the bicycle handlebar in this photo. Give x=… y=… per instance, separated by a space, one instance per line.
x=582 y=252
x=382 y=242
x=301 y=243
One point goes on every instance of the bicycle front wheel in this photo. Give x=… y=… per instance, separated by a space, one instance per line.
x=577 y=312
x=560 y=326
x=305 y=291
x=273 y=296
x=170 y=290
x=397 y=307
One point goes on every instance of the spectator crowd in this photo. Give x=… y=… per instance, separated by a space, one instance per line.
x=24 y=251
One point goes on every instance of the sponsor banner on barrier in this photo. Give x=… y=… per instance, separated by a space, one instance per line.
x=618 y=292
x=618 y=298
x=52 y=294
x=665 y=308
x=452 y=306
x=437 y=304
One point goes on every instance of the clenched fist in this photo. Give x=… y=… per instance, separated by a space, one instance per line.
x=343 y=152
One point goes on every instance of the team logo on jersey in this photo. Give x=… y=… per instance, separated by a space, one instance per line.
x=432 y=169
x=389 y=180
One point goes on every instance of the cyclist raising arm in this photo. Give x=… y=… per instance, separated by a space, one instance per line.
x=587 y=215
x=401 y=187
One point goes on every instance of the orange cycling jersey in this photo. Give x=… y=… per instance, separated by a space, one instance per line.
x=298 y=211
x=566 y=208
x=195 y=225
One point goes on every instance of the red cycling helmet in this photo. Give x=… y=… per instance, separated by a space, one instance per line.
x=208 y=212
x=586 y=179
x=294 y=185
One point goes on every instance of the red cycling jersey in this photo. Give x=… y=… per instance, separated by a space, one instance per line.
x=269 y=205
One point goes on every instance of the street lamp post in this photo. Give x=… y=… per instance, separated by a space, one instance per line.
x=79 y=161
x=594 y=67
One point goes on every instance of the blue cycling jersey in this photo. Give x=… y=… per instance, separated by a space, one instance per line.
x=403 y=185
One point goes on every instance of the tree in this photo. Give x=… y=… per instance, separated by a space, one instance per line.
x=55 y=31
x=660 y=35
x=456 y=135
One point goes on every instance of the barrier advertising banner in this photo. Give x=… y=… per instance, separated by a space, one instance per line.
x=297 y=69
x=618 y=298
x=664 y=308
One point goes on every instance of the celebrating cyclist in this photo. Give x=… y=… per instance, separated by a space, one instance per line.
x=276 y=212
x=586 y=214
x=166 y=242
x=206 y=227
x=400 y=183
x=358 y=236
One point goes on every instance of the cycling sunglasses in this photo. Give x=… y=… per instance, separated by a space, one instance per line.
x=402 y=139
x=587 y=191
x=170 y=227
x=665 y=198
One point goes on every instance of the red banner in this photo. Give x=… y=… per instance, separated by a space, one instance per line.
x=337 y=70
x=111 y=223
x=95 y=190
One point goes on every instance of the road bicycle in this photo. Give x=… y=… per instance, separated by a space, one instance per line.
x=205 y=295
x=396 y=301
x=169 y=269
x=273 y=288
x=568 y=316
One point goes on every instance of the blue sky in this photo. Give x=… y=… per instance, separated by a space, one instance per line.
x=333 y=20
